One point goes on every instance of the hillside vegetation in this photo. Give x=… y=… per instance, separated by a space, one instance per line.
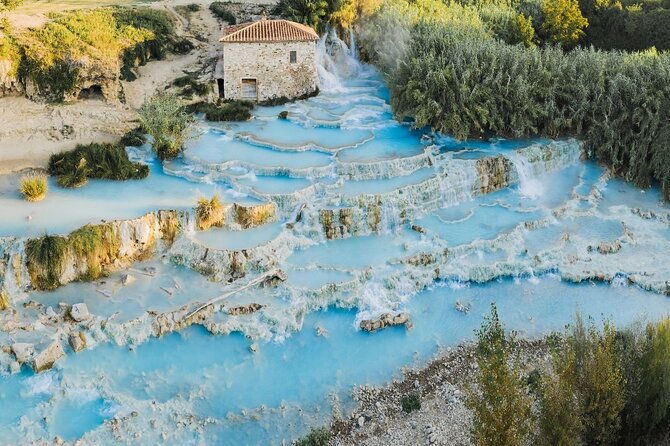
x=105 y=43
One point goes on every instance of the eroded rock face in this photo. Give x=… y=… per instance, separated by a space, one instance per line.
x=384 y=321
x=251 y=216
x=609 y=247
x=48 y=357
x=122 y=243
x=494 y=173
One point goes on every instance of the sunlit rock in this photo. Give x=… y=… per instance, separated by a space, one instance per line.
x=48 y=357
x=79 y=312
x=77 y=341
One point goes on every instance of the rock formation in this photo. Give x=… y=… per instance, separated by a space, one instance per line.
x=385 y=320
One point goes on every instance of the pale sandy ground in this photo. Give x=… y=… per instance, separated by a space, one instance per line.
x=30 y=132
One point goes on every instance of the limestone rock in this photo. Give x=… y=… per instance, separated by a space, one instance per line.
x=609 y=248
x=494 y=173
x=245 y=309
x=275 y=279
x=77 y=341
x=385 y=320
x=48 y=357
x=79 y=312
x=23 y=351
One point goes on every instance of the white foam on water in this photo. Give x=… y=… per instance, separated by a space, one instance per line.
x=43 y=384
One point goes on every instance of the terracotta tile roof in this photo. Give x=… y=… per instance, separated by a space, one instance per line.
x=268 y=31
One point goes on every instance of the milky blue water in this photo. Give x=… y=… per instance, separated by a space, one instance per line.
x=307 y=360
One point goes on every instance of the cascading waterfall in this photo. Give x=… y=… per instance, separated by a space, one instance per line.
x=334 y=61
x=529 y=185
x=353 y=50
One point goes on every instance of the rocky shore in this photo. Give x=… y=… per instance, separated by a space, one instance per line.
x=441 y=385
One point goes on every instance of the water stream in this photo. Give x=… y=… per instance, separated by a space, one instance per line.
x=391 y=219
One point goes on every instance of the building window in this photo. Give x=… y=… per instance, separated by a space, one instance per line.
x=293 y=56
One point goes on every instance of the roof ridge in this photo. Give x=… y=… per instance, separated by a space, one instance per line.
x=269 y=30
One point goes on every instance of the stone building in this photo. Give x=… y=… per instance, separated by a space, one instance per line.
x=267 y=59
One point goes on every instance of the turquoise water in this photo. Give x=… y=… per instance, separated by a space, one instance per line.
x=203 y=385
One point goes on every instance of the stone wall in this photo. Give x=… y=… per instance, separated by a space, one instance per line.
x=269 y=64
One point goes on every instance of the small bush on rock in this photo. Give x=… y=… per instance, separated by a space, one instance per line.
x=316 y=437
x=164 y=118
x=221 y=12
x=226 y=111
x=34 y=187
x=410 y=402
x=209 y=213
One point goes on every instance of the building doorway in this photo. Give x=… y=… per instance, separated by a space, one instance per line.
x=219 y=84
x=249 y=91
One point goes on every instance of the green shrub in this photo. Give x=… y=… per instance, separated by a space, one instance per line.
x=316 y=437
x=500 y=404
x=190 y=86
x=105 y=161
x=220 y=11
x=34 y=187
x=45 y=257
x=410 y=402
x=646 y=357
x=281 y=100
x=225 y=111
x=312 y=13
x=164 y=118
x=187 y=10
x=135 y=138
x=162 y=27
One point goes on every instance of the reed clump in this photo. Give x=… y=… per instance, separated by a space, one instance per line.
x=97 y=160
x=34 y=187
x=209 y=213
x=45 y=260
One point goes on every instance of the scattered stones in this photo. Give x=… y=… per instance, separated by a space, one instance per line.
x=127 y=279
x=253 y=348
x=283 y=114
x=79 y=312
x=48 y=357
x=463 y=308
x=320 y=331
x=419 y=229
x=245 y=309
x=609 y=247
x=77 y=341
x=23 y=351
x=385 y=320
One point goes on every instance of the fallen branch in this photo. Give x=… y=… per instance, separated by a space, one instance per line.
x=254 y=282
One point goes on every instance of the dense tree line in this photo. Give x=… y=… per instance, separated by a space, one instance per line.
x=601 y=387
x=460 y=80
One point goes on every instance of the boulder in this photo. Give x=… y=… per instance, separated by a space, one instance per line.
x=48 y=357
x=385 y=320
x=77 y=341
x=23 y=351
x=79 y=312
